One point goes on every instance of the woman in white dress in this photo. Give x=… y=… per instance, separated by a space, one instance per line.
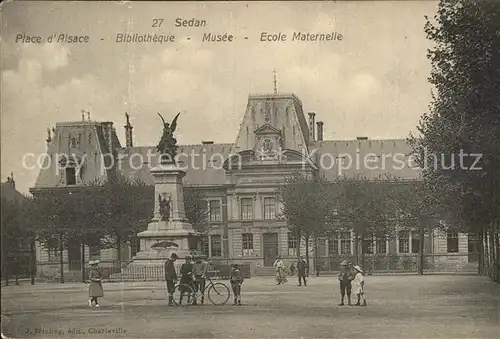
x=358 y=286
x=280 y=271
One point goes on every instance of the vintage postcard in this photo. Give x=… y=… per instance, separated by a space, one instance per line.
x=291 y=169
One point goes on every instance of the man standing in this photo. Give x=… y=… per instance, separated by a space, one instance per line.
x=345 y=278
x=302 y=270
x=171 y=277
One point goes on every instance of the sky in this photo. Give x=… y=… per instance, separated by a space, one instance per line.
x=371 y=83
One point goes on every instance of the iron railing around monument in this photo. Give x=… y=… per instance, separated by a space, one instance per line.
x=157 y=273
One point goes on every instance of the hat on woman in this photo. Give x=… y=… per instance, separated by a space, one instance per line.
x=357 y=268
x=344 y=263
x=94 y=262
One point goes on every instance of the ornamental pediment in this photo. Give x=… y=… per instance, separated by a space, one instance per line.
x=267 y=129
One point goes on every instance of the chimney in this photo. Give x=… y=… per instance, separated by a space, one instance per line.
x=128 y=132
x=108 y=132
x=320 y=130
x=49 y=137
x=362 y=138
x=312 y=126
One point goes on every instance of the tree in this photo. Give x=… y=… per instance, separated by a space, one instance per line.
x=306 y=203
x=464 y=119
x=417 y=209
x=361 y=207
x=122 y=208
x=55 y=215
x=197 y=211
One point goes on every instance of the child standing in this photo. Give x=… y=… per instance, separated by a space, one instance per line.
x=359 y=283
x=199 y=272
x=236 y=282
x=345 y=278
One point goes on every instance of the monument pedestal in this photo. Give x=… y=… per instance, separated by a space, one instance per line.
x=167 y=228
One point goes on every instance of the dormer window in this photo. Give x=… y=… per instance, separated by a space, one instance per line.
x=69 y=169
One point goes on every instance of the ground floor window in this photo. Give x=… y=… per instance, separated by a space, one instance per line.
x=333 y=244
x=345 y=242
x=292 y=244
x=368 y=243
x=403 y=242
x=205 y=245
x=381 y=244
x=247 y=242
x=215 y=246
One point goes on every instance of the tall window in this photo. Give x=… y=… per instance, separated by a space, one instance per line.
x=215 y=210
x=205 y=245
x=404 y=242
x=415 y=242
x=333 y=244
x=381 y=243
x=247 y=239
x=216 y=245
x=368 y=243
x=246 y=208
x=345 y=242
x=269 y=208
x=452 y=241
x=292 y=244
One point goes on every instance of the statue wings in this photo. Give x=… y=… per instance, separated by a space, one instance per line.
x=162 y=118
x=173 y=125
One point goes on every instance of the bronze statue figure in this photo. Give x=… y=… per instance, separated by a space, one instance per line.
x=168 y=144
x=164 y=208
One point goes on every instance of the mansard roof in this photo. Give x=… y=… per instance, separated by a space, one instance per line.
x=202 y=163
x=391 y=156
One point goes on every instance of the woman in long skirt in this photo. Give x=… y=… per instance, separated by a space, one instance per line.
x=95 y=288
x=280 y=271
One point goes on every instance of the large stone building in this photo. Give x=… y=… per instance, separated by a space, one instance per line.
x=240 y=179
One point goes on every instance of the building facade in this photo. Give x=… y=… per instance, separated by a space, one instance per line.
x=275 y=140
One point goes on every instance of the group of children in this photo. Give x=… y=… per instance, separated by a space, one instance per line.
x=194 y=275
x=351 y=280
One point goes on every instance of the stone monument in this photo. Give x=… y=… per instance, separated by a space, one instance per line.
x=169 y=231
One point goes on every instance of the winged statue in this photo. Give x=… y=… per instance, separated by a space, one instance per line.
x=168 y=144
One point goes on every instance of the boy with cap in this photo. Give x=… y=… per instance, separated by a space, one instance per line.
x=236 y=282
x=345 y=278
x=171 y=277
x=199 y=272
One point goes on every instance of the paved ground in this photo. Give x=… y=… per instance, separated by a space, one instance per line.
x=399 y=307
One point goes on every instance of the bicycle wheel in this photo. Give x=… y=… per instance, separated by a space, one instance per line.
x=218 y=293
x=184 y=295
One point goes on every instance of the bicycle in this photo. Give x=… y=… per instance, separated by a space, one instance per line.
x=217 y=292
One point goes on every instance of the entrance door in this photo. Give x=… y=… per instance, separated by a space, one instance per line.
x=270 y=244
